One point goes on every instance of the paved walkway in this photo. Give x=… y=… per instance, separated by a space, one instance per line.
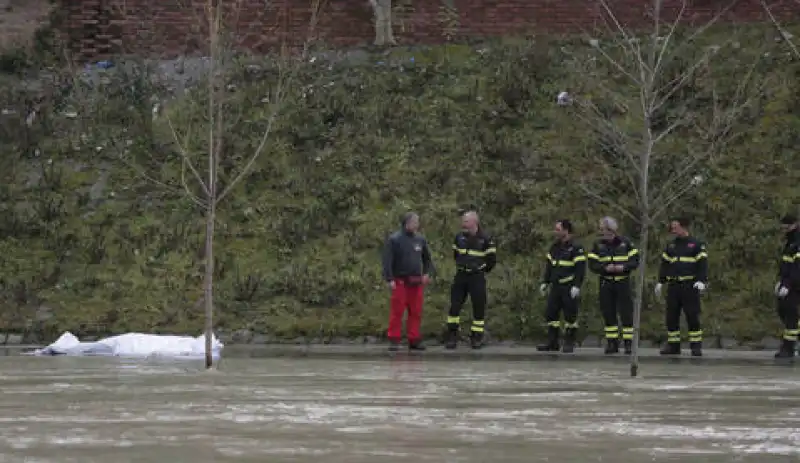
x=518 y=353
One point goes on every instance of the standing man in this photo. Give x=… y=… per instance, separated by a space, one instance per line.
x=407 y=268
x=684 y=268
x=788 y=287
x=563 y=276
x=475 y=254
x=613 y=258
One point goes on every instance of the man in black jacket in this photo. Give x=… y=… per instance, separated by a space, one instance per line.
x=613 y=257
x=407 y=268
x=684 y=268
x=788 y=287
x=475 y=254
x=563 y=275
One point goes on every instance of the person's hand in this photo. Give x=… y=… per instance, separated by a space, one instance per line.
x=574 y=292
x=700 y=286
x=426 y=279
x=658 y=289
x=391 y=285
x=781 y=291
x=611 y=268
x=543 y=289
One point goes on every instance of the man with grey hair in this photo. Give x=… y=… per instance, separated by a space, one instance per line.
x=613 y=258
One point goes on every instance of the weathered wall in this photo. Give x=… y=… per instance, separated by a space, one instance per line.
x=170 y=27
x=19 y=19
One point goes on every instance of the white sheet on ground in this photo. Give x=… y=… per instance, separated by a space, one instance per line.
x=133 y=345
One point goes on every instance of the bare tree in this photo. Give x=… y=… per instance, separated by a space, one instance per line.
x=209 y=171
x=382 y=9
x=643 y=97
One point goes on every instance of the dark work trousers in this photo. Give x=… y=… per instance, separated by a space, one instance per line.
x=559 y=301
x=788 y=313
x=681 y=296
x=615 y=301
x=473 y=285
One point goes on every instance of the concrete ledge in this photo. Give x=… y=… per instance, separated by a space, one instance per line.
x=646 y=355
x=16 y=347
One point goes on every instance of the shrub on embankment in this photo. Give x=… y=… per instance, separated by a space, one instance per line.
x=91 y=246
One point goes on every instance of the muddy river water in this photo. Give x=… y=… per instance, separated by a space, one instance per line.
x=394 y=410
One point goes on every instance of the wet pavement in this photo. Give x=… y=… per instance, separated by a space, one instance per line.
x=406 y=408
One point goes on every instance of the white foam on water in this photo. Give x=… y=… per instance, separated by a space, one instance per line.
x=738 y=385
x=664 y=431
x=386 y=453
x=513 y=414
x=679 y=451
x=356 y=429
x=767 y=448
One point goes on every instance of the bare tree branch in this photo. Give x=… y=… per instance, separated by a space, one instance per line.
x=784 y=34
x=278 y=103
x=720 y=134
x=186 y=159
x=605 y=200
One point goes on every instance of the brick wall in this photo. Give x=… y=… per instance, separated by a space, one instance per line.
x=98 y=28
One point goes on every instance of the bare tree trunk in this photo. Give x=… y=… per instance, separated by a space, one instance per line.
x=638 y=301
x=208 y=281
x=383 y=22
x=644 y=222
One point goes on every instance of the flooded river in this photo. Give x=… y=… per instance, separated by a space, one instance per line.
x=394 y=410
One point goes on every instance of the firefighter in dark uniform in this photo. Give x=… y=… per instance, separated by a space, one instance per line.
x=613 y=258
x=788 y=287
x=563 y=276
x=475 y=254
x=684 y=269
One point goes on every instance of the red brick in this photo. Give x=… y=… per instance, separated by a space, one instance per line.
x=167 y=28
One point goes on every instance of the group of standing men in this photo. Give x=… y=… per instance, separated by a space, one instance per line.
x=408 y=268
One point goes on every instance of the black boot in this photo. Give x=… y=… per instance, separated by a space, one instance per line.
x=697 y=348
x=786 y=350
x=552 y=340
x=416 y=345
x=452 y=338
x=476 y=339
x=671 y=348
x=394 y=346
x=569 y=341
x=612 y=346
x=628 y=346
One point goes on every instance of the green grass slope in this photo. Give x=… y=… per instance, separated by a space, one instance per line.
x=89 y=245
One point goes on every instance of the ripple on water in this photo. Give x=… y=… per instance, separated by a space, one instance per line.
x=428 y=411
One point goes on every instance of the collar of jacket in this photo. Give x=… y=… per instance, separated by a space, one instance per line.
x=566 y=244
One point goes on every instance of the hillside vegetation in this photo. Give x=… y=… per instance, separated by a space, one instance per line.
x=88 y=244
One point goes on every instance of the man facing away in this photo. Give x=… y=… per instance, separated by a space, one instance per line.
x=475 y=254
x=684 y=269
x=788 y=287
x=407 y=268
x=613 y=258
x=563 y=275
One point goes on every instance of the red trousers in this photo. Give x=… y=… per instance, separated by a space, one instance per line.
x=405 y=296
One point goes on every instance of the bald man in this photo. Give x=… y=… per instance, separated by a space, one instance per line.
x=475 y=254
